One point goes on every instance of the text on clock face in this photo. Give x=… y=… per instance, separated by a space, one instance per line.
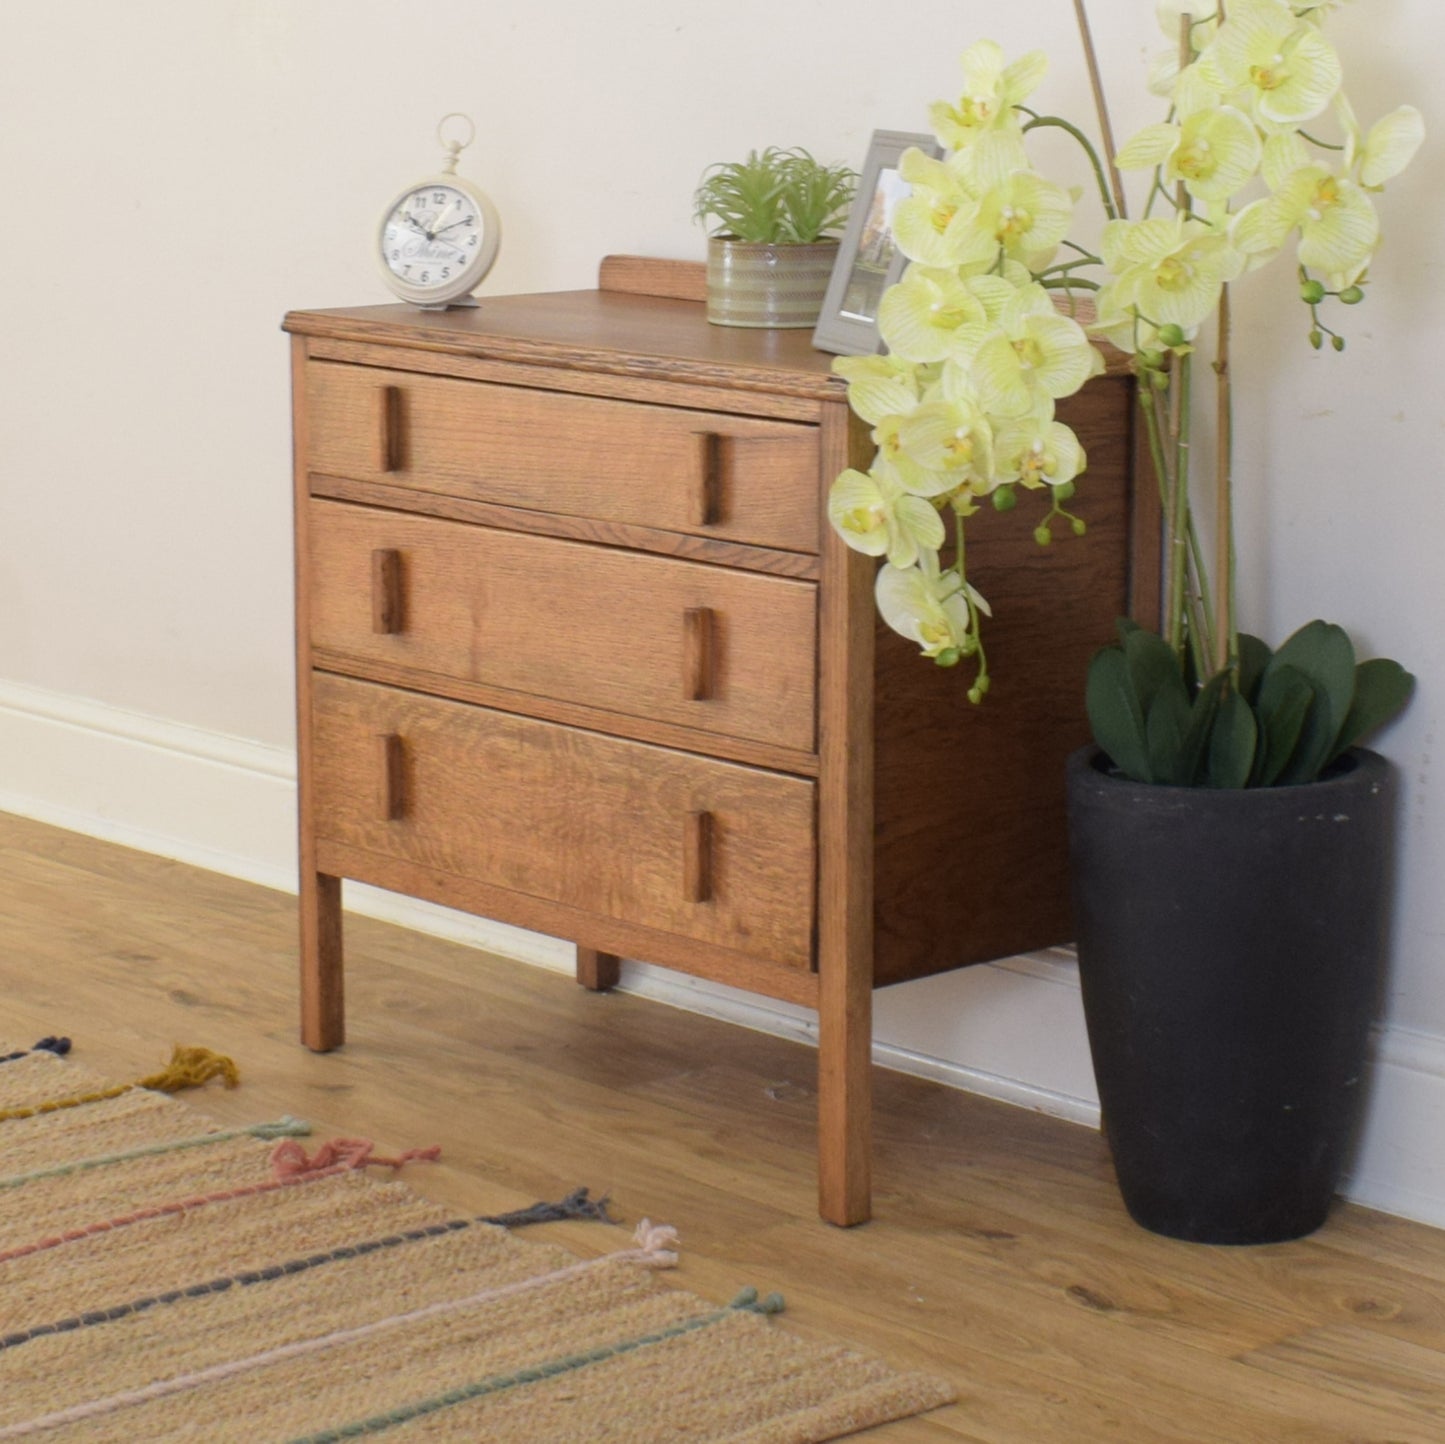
x=430 y=233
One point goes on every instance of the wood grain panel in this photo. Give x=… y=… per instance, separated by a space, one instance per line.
x=577 y=528
x=845 y=871
x=578 y=455
x=666 y=391
x=970 y=850
x=321 y=961
x=724 y=652
x=575 y=817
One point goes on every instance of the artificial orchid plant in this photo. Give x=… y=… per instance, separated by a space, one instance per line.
x=962 y=404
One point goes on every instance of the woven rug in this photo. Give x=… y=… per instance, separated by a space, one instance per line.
x=164 y=1277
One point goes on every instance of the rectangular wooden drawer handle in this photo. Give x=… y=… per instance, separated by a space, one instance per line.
x=386 y=594
x=391 y=783
x=697 y=845
x=388 y=428
x=707 y=479
x=698 y=636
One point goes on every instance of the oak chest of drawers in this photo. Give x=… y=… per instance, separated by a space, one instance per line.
x=578 y=651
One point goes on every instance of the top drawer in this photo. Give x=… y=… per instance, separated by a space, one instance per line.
x=737 y=478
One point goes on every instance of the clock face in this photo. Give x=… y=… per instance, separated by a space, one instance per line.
x=435 y=239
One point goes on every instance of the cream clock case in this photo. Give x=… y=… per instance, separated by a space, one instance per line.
x=437 y=240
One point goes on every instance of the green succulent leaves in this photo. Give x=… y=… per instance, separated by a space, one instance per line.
x=1281 y=718
x=776 y=196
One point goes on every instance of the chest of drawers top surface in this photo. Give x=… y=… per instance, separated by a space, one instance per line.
x=601 y=331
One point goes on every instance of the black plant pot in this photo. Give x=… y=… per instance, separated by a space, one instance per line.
x=1231 y=947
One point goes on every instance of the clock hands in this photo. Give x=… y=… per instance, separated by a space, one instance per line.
x=436 y=226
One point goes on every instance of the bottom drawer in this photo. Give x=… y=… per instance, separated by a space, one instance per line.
x=689 y=845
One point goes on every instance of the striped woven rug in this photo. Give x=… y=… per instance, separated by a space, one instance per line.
x=163 y=1277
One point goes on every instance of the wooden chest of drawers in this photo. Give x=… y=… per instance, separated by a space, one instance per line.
x=577 y=650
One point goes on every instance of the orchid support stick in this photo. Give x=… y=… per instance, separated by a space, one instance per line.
x=1101 y=108
x=1226 y=641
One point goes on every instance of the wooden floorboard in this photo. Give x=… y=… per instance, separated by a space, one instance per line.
x=999 y=1254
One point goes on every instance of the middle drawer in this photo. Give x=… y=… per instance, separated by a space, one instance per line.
x=729 y=653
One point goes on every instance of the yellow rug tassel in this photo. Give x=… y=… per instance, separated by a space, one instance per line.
x=190 y=1068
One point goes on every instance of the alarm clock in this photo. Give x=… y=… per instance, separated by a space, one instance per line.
x=438 y=239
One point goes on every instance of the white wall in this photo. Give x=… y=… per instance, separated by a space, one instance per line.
x=178 y=173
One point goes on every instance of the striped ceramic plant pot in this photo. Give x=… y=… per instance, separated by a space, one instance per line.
x=767 y=286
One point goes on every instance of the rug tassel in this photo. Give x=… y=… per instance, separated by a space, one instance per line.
x=290 y=1160
x=749 y=1301
x=284 y=1127
x=577 y=1204
x=656 y=1243
x=190 y=1068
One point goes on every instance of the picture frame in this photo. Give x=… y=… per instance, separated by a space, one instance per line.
x=868 y=260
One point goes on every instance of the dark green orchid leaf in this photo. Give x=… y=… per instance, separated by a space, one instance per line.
x=1285 y=698
x=1382 y=687
x=1164 y=733
x=1202 y=715
x=1115 y=714
x=1323 y=653
x=1153 y=667
x=1232 y=742
x=1254 y=657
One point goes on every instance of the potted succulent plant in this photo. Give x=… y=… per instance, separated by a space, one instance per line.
x=1230 y=845
x=771 y=246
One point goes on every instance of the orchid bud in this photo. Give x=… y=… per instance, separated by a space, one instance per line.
x=1004 y=499
x=1064 y=490
x=1338 y=342
x=1317 y=339
x=948 y=657
x=1352 y=295
x=1311 y=292
x=975 y=696
x=1043 y=535
x=1076 y=525
x=1171 y=334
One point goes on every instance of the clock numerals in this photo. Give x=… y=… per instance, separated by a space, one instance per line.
x=435 y=239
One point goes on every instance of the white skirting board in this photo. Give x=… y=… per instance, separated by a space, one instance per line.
x=1012 y=1030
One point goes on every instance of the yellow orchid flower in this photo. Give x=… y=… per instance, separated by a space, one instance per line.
x=991 y=89
x=928 y=222
x=1169 y=270
x=1283 y=69
x=1031 y=355
x=1037 y=451
x=1337 y=224
x=1214 y=152
x=878 y=386
x=1390 y=146
x=951 y=439
x=1284 y=153
x=1024 y=217
x=918 y=318
x=899 y=464
x=927 y=606
x=874 y=515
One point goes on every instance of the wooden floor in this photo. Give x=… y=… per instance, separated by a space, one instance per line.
x=999 y=1254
